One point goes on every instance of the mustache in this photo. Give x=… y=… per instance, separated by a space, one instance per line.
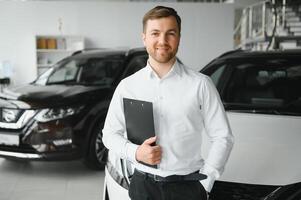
x=162 y=46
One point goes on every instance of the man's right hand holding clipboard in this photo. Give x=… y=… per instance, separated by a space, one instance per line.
x=140 y=129
x=149 y=153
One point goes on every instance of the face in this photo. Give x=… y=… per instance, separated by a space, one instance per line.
x=161 y=39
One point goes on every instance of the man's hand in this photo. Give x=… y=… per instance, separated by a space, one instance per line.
x=149 y=154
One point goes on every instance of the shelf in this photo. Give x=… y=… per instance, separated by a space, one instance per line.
x=53 y=48
x=55 y=51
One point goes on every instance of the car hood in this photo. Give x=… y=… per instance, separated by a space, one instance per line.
x=266 y=149
x=29 y=96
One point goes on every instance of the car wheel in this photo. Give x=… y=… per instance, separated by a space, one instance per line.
x=96 y=156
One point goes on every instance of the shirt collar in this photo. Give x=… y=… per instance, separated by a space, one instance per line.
x=175 y=69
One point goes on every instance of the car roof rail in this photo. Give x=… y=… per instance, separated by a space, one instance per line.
x=133 y=50
x=86 y=49
x=223 y=55
x=231 y=52
x=76 y=52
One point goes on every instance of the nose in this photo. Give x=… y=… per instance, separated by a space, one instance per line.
x=162 y=39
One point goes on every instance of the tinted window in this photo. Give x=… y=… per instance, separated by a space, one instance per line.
x=92 y=71
x=98 y=71
x=216 y=75
x=264 y=87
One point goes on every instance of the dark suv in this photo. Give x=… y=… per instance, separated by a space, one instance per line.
x=60 y=115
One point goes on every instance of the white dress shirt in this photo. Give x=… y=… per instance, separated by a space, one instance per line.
x=186 y=105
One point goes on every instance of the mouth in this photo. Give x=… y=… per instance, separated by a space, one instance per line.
x=162 y=48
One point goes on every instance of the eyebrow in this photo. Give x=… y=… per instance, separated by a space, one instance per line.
x=170 y=30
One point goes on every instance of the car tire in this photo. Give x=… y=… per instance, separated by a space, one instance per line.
x=96 y=154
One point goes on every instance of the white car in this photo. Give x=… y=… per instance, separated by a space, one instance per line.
x=261 y=92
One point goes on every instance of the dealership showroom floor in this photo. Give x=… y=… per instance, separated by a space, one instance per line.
x=69 y=180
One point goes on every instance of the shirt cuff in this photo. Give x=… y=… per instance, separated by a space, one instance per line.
x=212 y=175
x=131 y=152
x=208 y=183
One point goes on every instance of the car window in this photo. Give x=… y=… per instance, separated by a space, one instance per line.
x=66 y=73
x=42 y=79
x=86 y=71
x=262 y=87
x=99 y=71
x=216 y=75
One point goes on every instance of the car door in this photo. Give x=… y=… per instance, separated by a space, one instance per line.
x=262 y=98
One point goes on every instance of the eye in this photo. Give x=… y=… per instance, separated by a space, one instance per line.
x=154 y=34
x=171 y=33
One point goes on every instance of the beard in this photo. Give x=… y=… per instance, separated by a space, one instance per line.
x=162 y=56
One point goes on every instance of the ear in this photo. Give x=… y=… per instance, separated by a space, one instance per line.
x=143 y=38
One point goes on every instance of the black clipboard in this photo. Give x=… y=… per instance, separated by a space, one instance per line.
x=139 y=121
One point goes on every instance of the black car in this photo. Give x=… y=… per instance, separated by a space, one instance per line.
x=60 y=115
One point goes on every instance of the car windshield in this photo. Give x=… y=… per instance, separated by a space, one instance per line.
x=260 y=87
x=88 y=71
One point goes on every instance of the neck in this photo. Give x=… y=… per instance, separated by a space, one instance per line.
x=161 y=69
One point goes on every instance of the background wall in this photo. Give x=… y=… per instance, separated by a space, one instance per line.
x=206 y=29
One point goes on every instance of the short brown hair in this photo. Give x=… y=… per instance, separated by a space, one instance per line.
x=160 y=12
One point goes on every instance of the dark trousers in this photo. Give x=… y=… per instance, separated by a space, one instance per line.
x=143 y=187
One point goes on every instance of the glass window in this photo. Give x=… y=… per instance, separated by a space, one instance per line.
x=66 y=73
x=215 y=76
x=85 y=71
x=42 y=79
x=99 y=71
x=272 y=88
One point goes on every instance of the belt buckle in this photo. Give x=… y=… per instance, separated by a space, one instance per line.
x=156 y=178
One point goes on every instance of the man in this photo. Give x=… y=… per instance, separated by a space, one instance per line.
x=185 y=105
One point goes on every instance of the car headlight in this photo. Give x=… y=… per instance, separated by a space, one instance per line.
x=50 y=114
x=10 y=115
